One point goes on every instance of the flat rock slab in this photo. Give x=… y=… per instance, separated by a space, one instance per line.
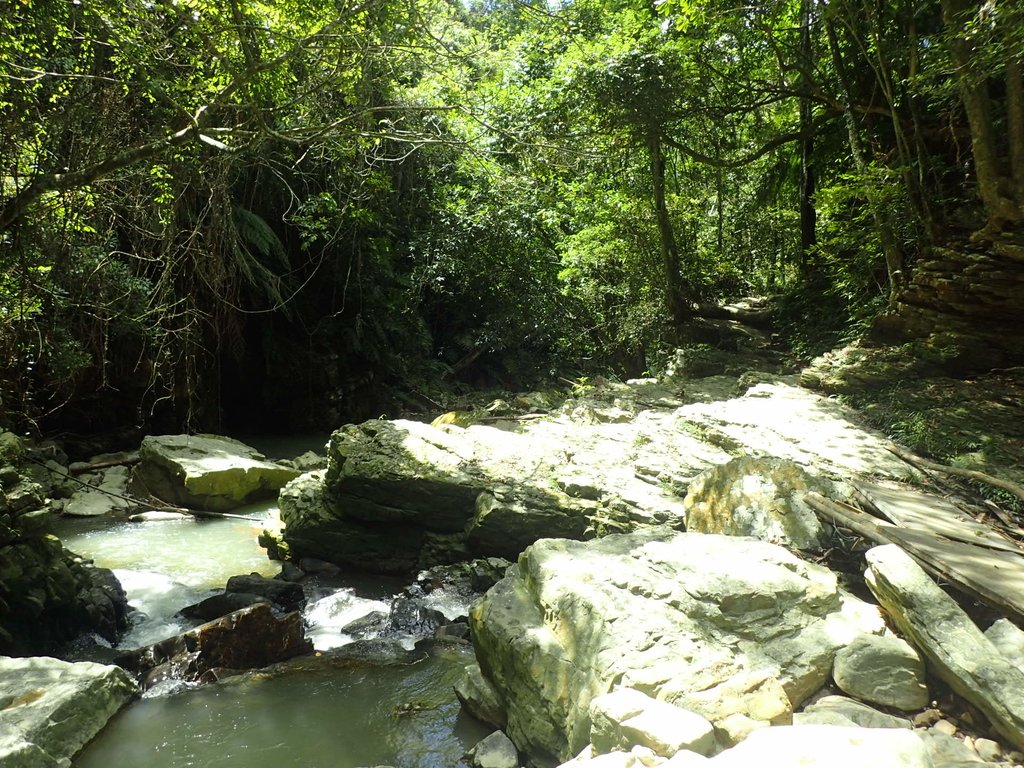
x=412 y=493
x=736 y=630
x=955 y=648
x=827 y=746
x=49 y=709
x=208 y=471
x=776 y=419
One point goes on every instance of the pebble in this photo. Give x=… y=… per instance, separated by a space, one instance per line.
x=926 y=718
x=988 y=750
x=946 y=727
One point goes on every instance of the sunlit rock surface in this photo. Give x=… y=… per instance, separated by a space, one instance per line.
x=956 y=650
x=49 y=709
x=882 y=670
x=736 y=630
x=208 y=472
x=760 y=497
x=401 y=494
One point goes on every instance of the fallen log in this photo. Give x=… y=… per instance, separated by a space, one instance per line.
x=970 y=474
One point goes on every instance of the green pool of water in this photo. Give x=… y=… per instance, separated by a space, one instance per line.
x=404 y=716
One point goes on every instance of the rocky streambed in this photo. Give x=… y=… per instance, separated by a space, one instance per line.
x=676 y=598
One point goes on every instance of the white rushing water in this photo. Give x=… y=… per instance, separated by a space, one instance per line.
x=167 y=565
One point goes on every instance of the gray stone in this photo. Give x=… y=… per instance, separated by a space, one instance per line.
x=882 y=670
x=734 y=629
x=760 y=497
x=494 y=751
x=827 y=746
x=49 y=709
x=626 y=717
x=956 y=649
x=480 y=698
x=208 y=471
x=108 y=497
x=1009 y=639
x=839 y=710
x=947 y=751
x=988 y=750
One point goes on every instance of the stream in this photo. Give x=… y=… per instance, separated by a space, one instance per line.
x=313 y=713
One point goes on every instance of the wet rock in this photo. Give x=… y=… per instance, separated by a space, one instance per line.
x=50 y=709
x=736 y=630
x=839 y=710
x=760 y=497
x=221 y=605
x=480 y=698
x=372 y=623
x=956 y=649
x=286 y=594
x=457 y=631
x=208 y=472
x=494 y=751
x=882 y=670
x=409 y=616
x=626 y=717
x=251 y=638
x=48 y=596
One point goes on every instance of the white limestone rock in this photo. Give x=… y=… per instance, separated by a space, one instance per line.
x=494 y=751
x=49 y=709
x=827 y=746
x=734 y=629
x=760 y=497
x=626 y=717
x=1009 y=639
x=882 y=670
x=208 y=471
x=839 y=710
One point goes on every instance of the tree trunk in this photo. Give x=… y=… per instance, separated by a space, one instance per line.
x=680 y=302
x=808 y=212
x=890 y=247
x=973 y=88
x=1015 y=123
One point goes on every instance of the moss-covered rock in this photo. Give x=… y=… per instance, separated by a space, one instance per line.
x=208 y=472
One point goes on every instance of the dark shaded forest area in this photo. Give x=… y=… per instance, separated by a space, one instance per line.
x=277 y=216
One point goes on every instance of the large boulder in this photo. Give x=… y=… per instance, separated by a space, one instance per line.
x=828 y=746
x=737 y=630
x=105 y=495
x=402 y=494
x=49 y=709
x=49 y=595
x=760 y=497
x=208 y=472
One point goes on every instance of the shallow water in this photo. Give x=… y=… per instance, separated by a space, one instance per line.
x=403 y=716
x=166 y=565
x=342 y=717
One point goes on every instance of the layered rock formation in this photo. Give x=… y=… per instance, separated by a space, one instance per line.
x=736 y=630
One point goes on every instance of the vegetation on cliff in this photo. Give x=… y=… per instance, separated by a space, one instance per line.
x=305 y=210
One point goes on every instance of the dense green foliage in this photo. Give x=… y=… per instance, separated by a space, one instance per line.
x=302 y=209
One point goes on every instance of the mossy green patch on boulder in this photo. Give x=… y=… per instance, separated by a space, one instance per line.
x=208 y=471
